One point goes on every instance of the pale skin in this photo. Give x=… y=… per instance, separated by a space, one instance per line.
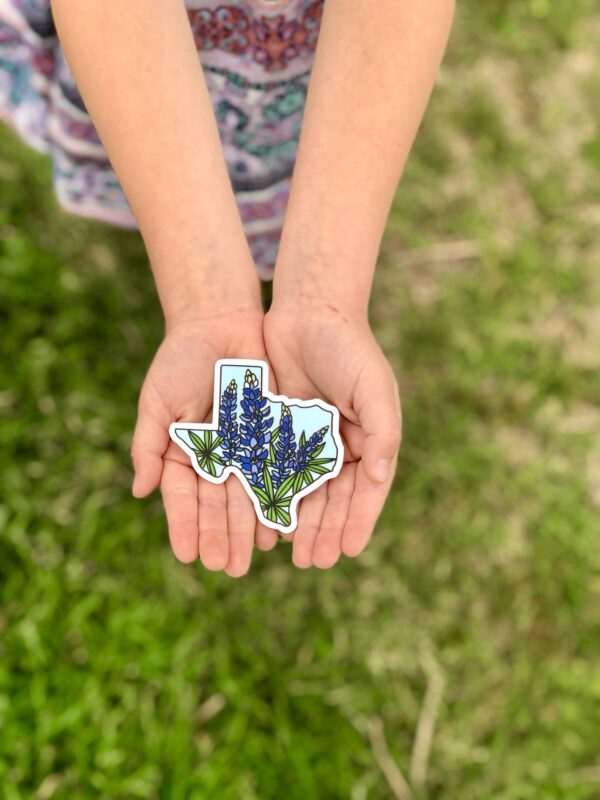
x=373 y=73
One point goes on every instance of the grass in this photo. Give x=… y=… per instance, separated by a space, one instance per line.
x=456 y=658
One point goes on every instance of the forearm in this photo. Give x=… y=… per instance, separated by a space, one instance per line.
x=374 y=70
x=138 y=71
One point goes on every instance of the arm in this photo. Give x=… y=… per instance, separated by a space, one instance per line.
x=373 y=73
x=138 y=71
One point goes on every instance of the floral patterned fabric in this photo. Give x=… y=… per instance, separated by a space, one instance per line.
x=256 y=56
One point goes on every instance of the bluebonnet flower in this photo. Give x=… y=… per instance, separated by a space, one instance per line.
x=254 y=429
x=307 y=450
x=228 y=426
x=285 y=448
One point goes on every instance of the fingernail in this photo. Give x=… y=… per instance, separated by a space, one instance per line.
x=134 y=485
x=382 y=469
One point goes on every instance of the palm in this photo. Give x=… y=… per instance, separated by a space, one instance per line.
x=215 y=522
x=318 y=353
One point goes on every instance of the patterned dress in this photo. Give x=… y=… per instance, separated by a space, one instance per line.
x=256 y=56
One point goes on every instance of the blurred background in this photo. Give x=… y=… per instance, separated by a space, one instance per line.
x=458 y=657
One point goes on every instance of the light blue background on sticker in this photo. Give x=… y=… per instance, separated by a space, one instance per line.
x=307 y=419
x=304 y=418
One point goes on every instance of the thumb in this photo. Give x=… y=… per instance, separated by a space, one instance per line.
x=381 y=420
x=150 y=441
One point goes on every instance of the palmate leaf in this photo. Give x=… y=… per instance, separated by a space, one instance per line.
x=274 y=503
x=205 y=448
x=209 y=462
x=206 y=443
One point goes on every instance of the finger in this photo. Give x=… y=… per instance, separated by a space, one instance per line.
x=311 y=510
x=377 y=403
x=266 y=538
x=328 y=545
x=150 y=441
x=366 y=504
x=179 y=488
x=241 y=524
x=212 y=523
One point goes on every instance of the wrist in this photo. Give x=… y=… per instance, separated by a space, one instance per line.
x=318 y=285
x=198 y=290
x=307 y=305
x=201 y=316
x=209 y=302
x=313 y=271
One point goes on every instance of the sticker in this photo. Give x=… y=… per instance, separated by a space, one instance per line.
x=280 y=448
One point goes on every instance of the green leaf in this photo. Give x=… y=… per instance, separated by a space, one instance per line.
x=285 y=486
x=210 y=467
x=302 y=440
x=261 y=494
x=271 y=515
x=319 y=449
x=274 y=434
x=318 y=469
x=297 y=482
x=268 y=484
x=283 y=516
x=207 y=439
x=321 y=460
x=196 y=440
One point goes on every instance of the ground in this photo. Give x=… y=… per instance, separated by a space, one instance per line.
x=455 y=658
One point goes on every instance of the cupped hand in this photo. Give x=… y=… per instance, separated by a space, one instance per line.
x=317 y=350
x=215 y=522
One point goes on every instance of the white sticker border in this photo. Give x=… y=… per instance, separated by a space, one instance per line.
x=233 y=468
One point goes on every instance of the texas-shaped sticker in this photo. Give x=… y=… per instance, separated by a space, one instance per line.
x=280 y=448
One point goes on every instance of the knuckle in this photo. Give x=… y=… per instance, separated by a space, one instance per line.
x=212 y=503
x=213 y=531
x=238 y=504
x=178 y=492
x=308 y=529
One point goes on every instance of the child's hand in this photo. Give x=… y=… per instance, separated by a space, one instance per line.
x=318 y=351
x=215 y=522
